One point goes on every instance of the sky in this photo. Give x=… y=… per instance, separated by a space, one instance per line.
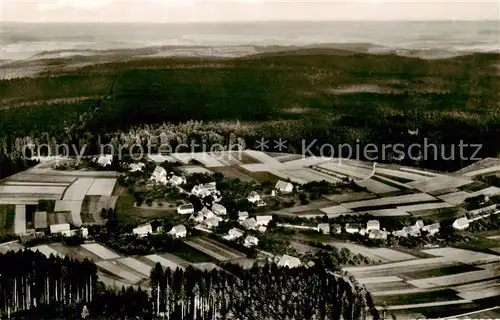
x=175 y=11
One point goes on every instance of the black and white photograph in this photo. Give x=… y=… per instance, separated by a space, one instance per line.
x=249 y=159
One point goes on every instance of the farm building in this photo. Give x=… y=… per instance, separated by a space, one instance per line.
x=41 y=220
x=432 y=229
x=136 y=167
x=143 y=230
x=263 y=220
x=362 y=231
x=336 y=228
x=219 y=209
x=178 y=231
x=461 y=223
x=284 y=187
x=372 y=225
x=250 y=241
x=482 y=210
x=59 y=228
x=289 y=261
x=177 y=180
x=159 y=175
x=202 y=215
x=262 y=229
x=105 y=160
x=260 y=203
x=419 y=224
x=234 y=233
x=412 y=231
x=324 y=228
x=212 y=222
x=204 y=190
x=353 y=227
x=83 y=232
x=253 y=197
x=249 y=224
x=185 y=209
x=242 y=215
x=377 y=234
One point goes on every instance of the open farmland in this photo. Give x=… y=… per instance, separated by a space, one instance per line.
x=425 y=206
x=78 y=252
x=102 y=187
x=214 y=249
x=335 y=211
x=439 y=183
x=350 y=197
x=401 y=174
x=455 y=279
x=165 y=261
x=233 y=172
x=27 y=176
x=46 y=250
x=136 y=265
x=113 y=268
x=454 y=198
x=304 y=175
x=305 y=162
x=195 y=169
x=32 y=189
x=377 y=254
x=10 y=246
x=74 y=207
x=78 y=190
x=346 y=170
x=397 y=200
x=100 y=251
x=376 y=187
x=385 y=212
x=228 y=158
x=462 y=255
x=159 y=158
x=262 y=157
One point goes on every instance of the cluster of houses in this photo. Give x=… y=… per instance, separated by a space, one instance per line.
x=161 y=176
x=178 y=231
x=373 y=231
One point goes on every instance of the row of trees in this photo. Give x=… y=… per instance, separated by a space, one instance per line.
x=259 y=293
x=30 y=279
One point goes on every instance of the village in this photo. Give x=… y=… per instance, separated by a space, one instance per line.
x=248 y=207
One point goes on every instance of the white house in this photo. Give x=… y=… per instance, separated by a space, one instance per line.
x=219 y=209
x=372 y=225
x=461 y=223
x=105 y=160
x=212 y=222
x=249 y=224
x=200 y=192
x=412 y=231
x=59 y=228
x=136 y=167
x=353 y=227
x=159 y=175
x=177 y=180
x=186 y=209
x=202 y=215
x=143 y=230
x=260 y=203
x=250 y=241
x=419 y=224
x=284 y=187
x=324 y=228
x=377 y=234
x=234 y=233
x=262 y=229
x=432 y=229
x=253 y=197
x=263 y=220
x=178 y=231
x=289 y=261
x=83 y=232
x=242 y=215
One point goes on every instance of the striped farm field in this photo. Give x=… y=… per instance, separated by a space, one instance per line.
x=408 y=198
x=7 y=218
x=10 y=246
x=78 y=189
x=455 y=279
x=136 y=265
x=372 y=280
x=102 y=187
x=439 y=183
x=462 y=255
x=397 y=212
x=166 y=263
x=305 y=162
x=425 y=206
x=158 y=158
x=195 y=169
x=304 y=175
x=376 y=187
x=100 y=251
x=454 y=198
x=77 y=253
x=227 y=158
x=350 y=197
x=336 y=210
x=31 y=189
x=114 y=268
x=38 y=184
x=377 y=254
x=418 y=298
x=214 y=249
x=420 y=172
x=74 y=207
x=354 y=172
x=262 y=157
x=479 y=172
x=292 y=175
x=401 y=174
x=40 y=178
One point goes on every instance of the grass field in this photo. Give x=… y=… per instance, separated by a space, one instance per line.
x=376 y=254
x=78 y=189
x=165 y=262
x=416 y=298
x=216 y=250
x=100 y=251
x=136 y=265
x=233 y=172
x=46 y=250
x=115 y=269
x=101 y=187
x=441 y=271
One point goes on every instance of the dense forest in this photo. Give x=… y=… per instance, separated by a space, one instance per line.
x=29 y=280
x=335 y=98
x=259 y=293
